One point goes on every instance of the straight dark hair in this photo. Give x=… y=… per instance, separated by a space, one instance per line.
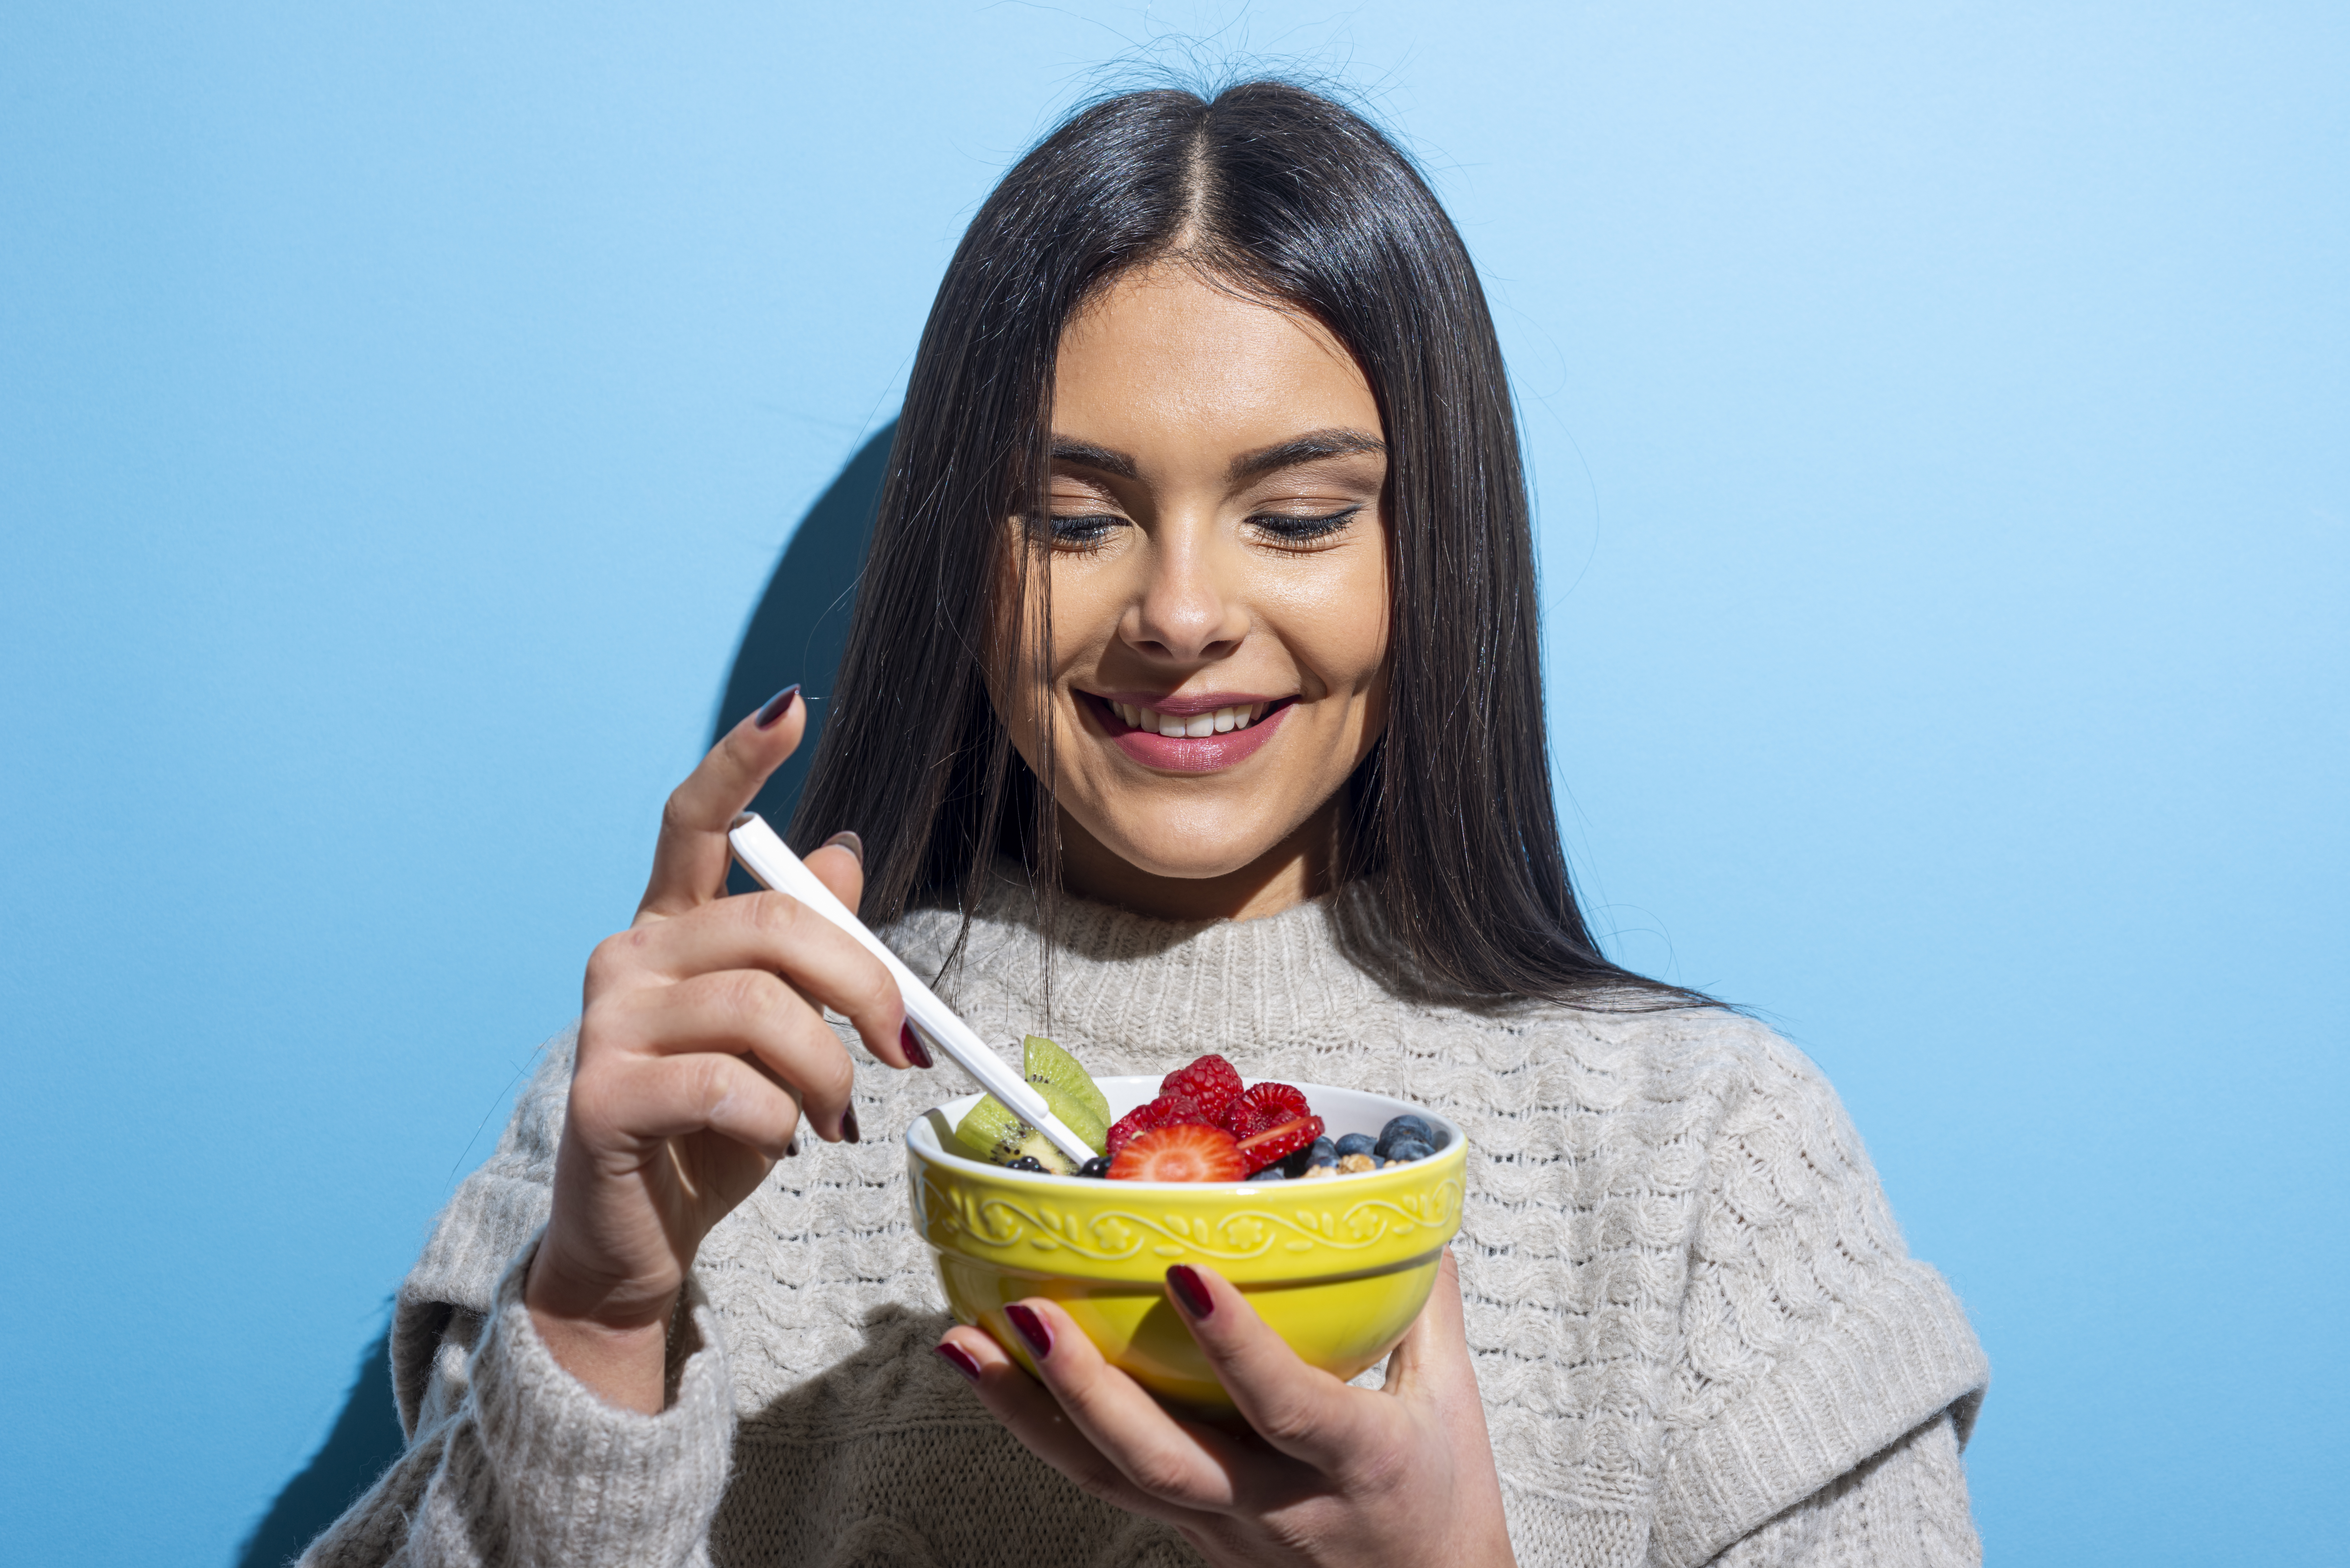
x=1453 y=882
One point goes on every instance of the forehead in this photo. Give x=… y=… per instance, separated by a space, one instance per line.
x=1163 y=356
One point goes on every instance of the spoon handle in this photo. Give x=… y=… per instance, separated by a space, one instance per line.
x=768 y=858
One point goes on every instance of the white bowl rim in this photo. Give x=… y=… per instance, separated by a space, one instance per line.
x=926 y=1139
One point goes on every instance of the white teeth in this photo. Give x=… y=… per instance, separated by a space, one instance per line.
x=1200 y=724
x=1224 y=719
x=1243 y=717
x=1126 y=712
x=1171 y=724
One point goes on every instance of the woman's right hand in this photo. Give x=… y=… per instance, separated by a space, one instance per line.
x=703 y=1051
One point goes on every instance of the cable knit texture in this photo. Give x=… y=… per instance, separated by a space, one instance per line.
x=1697 y=1331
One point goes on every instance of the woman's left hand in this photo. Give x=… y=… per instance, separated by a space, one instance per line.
x=1326 y=1474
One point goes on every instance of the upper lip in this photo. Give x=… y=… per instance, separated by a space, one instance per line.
x=1171 y=703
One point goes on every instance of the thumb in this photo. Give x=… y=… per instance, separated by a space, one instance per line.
x=839 y=863
x=1434 y=1353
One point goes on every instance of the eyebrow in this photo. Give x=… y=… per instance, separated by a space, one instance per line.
x=1087 y=455
x=1310 y=448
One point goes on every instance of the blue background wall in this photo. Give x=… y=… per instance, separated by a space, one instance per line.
x=1939 y=412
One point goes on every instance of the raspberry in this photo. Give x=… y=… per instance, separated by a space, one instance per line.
x=1205 y=1090
x=1264 y=1108
x=1279 y=1143
x=1142 y=1118
x=1186 y=1152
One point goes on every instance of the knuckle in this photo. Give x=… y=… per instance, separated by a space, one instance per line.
x=746 y=996
x=1099 y=1480
x=832 y=1078
x=1160 y=1472
x=611 y=959
x=676 y=813
x=874 y=991
x=775 y=916
x=1287 y=1419
x=714 y=1082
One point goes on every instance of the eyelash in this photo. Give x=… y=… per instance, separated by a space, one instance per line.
x=1089 y=530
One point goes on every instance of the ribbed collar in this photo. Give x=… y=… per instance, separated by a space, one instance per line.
x=1166 y=987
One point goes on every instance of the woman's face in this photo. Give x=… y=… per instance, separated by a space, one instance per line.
x=1217 y=572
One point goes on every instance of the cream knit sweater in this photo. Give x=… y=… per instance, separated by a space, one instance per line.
x=1697 y=1331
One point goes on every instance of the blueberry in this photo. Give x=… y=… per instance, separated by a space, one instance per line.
x=1404 y=1126
x=1405 y=1149
x=1271 y=1173
x=1322 y=1152
x=1356 y=1143
x=1098 y=1165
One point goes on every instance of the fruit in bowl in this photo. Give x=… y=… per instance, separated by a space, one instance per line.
x=1337 y=1251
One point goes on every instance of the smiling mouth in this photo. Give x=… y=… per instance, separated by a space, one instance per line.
x=1127 y=718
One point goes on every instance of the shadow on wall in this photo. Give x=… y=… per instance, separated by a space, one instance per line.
x=796 y=634
x=364 y=1442
x=801 y=626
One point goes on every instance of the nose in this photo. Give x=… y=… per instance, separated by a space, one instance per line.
x=1184 y=611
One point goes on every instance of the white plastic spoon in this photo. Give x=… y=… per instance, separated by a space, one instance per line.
x=768 y=858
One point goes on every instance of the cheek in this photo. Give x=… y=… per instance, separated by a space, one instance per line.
x=1338 y=627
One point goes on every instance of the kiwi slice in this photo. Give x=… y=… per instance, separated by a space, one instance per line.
x=991 y=1131
x=1067 y=1087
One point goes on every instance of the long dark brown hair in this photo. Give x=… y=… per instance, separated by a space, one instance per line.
x=1453 y=882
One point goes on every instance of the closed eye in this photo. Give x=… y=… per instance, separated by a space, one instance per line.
x=1086 y=530
x=1292 y=530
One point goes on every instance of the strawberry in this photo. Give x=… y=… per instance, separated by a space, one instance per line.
x=1277 y=1143
x=1185 y=1152
x=1142 y=1118
x=1205 y=1091
x=1264 y=1108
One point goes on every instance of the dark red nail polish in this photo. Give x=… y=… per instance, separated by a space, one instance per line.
x=1034 y=1329
x=959 y=1359
x=911 y=1044
x=777 y=706
x=848 y=1125
x=792 y=1150
x=1191 y=1290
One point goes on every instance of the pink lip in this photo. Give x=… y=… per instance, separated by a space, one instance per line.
x=1206 y=702
x=1185 y=753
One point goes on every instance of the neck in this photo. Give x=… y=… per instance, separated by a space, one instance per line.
x=1291 y=872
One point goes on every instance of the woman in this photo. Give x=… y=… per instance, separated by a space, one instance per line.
x=1206 y=508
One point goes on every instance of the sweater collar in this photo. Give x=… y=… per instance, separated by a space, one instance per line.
x=1169 y=988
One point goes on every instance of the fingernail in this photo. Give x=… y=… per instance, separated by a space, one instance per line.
x=911 y=1044
x=792 y=1150
x=1191 y=1289
x=848 y=1125
x=849 y=842
x=1034 y=1329
x=959 y=1359
x=777 y=706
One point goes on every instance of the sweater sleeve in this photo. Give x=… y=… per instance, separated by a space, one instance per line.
x=515 y=1461
x=1906 y=1508
x=1818 y=1358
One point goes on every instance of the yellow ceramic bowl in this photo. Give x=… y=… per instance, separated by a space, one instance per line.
x=1340 y=1266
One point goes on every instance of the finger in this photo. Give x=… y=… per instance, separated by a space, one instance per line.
x=839 y=863
x=737 y=1013
x=1029 y=1413
x=690 y=857
x=771 y=931
x=650 y=1098
x=1300 y=1410
x=1434 y=1351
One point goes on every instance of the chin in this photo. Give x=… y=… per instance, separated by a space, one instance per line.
x=1173 y=850
x=1190 y=864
